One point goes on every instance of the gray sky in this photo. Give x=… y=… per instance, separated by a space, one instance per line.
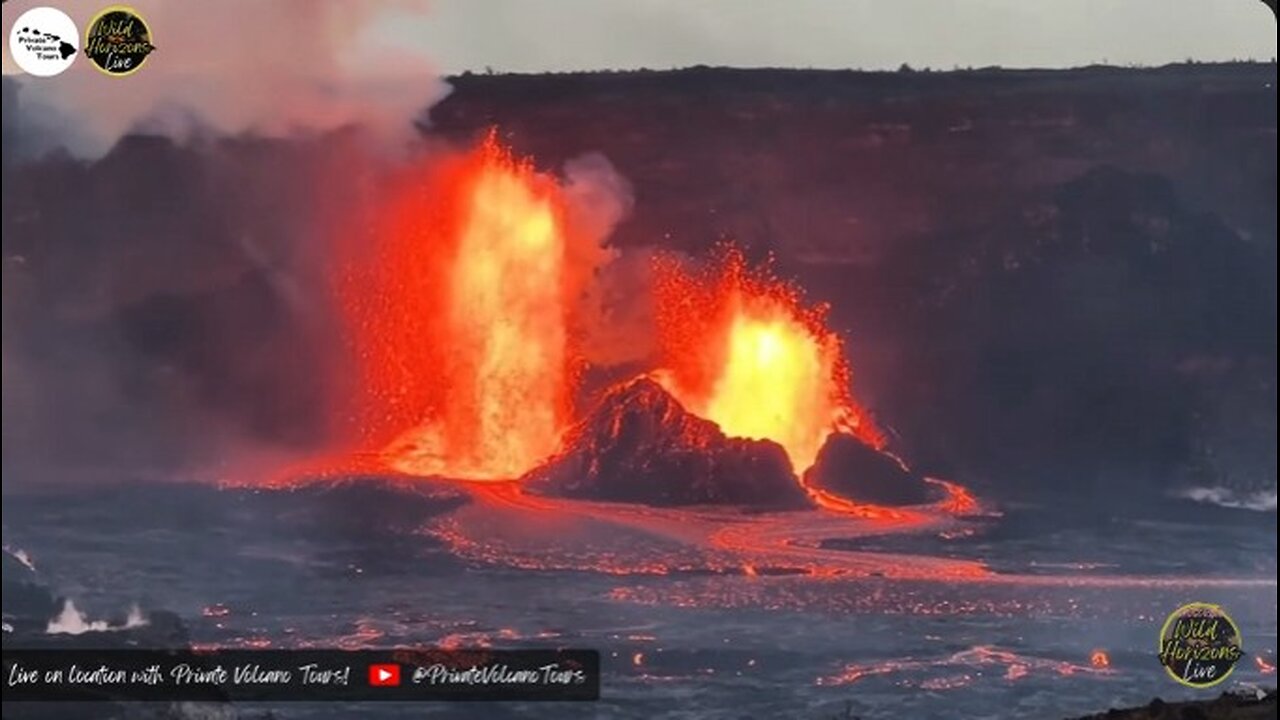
x=539 y=35
x=277 y=66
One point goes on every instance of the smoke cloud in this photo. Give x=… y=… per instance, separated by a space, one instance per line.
x=276 y=69
x=617 y=311
x=166 y=302
x=599 y=197
x=168 y=293
x=614 y=315
x=169 y=306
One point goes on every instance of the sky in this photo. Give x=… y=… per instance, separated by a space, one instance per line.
x=275 y=67
x=559 y=35
x=542 y=35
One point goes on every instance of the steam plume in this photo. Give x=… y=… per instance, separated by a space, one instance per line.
x=238 y=66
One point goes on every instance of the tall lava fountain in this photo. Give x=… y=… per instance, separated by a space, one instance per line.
x=741 y=349
x=460 y=319
x=461 y=314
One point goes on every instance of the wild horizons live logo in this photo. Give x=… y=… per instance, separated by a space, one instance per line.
x=1200 y=645
x=118 y=41
x=44 y=41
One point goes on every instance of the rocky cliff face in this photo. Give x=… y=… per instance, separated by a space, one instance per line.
x=1051 y=282
x=1046 y=279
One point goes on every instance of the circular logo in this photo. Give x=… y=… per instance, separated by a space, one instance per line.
x=118 y=41
x=1200 y=645
x=43 y=41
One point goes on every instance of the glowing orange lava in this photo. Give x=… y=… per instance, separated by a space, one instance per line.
x=956 y=499
x=740 y=348
x=459 y=316
x=981 y=656
x=1100 y=659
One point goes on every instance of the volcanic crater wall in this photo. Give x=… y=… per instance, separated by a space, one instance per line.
x=1055 y=282
x=1058 y=282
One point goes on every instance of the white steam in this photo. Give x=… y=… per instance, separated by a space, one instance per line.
x=599 y=197
x=1259 y=500
x=21 y=556
x=271 y=68
x=73 y=622
x=614 y=312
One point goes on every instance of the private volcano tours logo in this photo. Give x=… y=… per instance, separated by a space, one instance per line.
x=1200 y=645
x=43 y=41
x=118 y=41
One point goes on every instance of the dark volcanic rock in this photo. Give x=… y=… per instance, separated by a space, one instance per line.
x=639 y=445
x=850 y=468
x=29 y=606
x=390 y=506
x=24 y=597
x=1247 y=705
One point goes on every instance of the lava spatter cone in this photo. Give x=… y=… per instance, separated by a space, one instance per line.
x=850 y=468
x=640 y=445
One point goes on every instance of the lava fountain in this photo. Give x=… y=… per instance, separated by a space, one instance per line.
x=459 y=317
x=740 y=348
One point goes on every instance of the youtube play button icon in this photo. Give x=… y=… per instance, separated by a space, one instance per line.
x=384 y=675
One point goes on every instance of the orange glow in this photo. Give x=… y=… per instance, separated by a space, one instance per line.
x=1264 y=667
x=880 y=513
x=957 y=499
x=967 y=661
x=740 y=348
x=459 y=318
x=1100 y=659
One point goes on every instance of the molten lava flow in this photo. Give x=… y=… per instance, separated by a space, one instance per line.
x=1100 y=659
x=459 y=317
x=742 y=350
x=956 y=499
